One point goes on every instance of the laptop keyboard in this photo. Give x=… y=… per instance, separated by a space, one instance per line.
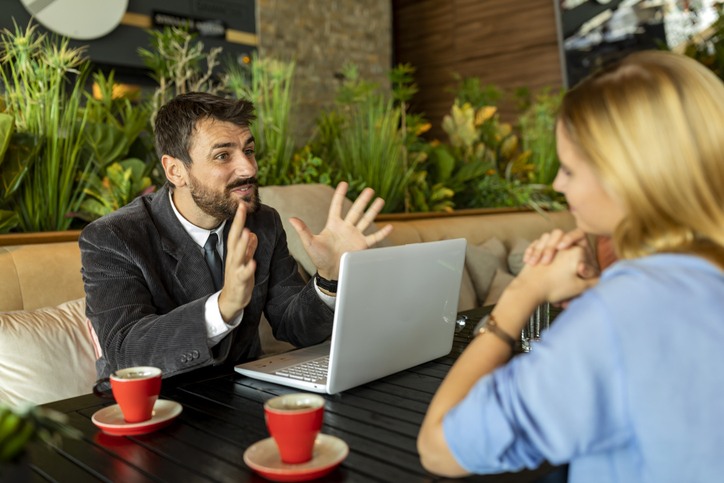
x=311 y=371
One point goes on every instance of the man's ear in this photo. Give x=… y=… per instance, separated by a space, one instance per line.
x=175 y=170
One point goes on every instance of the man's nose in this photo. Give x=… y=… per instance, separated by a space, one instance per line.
x=246 y=166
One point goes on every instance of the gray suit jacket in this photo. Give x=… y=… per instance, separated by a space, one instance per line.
x=146 y=283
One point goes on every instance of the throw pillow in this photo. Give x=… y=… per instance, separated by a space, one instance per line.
x=468 y=298
x=500 y=281
x=310 y=203
x=515 y=255
x=46 y=354
x=482 y=261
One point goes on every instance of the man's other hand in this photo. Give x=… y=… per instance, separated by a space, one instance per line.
x=342 y=235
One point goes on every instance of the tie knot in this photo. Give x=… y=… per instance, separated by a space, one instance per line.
x=211 y=242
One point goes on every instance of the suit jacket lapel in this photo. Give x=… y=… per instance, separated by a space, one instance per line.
x=188 y=265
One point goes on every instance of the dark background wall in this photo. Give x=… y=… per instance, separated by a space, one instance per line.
x=118 y=49
x=503 y=42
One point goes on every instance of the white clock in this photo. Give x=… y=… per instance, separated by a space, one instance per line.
x=78 y=19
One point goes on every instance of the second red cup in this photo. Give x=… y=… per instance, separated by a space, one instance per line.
x=294 y=420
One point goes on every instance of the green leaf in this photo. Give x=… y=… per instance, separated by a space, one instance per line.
x=7 y=128
x=8 y=220
x=108 y=143
x=471 y=171
x=444 y=161
x=18 y=159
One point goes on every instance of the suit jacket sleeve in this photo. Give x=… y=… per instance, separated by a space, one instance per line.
x=294 y=310
x=133 y=308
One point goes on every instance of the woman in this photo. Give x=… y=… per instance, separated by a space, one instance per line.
x=628 y=383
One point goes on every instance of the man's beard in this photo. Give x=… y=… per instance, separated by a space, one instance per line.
x=222 y=205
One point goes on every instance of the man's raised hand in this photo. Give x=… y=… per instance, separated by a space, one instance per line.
x=240 y=267
x=341 y=235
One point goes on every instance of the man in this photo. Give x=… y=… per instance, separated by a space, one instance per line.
x=179 y=279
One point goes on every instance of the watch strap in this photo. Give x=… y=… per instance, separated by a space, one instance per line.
x=328 y=285
x=491 y=326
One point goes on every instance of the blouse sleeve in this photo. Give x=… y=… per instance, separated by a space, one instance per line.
x=563 y=399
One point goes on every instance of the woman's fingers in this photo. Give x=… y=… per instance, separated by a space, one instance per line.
x=543 y=249
x=574 y=237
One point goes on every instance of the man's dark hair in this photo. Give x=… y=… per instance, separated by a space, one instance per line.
x=176 y=120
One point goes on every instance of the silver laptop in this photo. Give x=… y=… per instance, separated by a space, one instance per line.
x=396 y=308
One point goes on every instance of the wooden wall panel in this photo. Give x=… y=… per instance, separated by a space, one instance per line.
x=503 y=42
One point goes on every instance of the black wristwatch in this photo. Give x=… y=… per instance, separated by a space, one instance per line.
x=328 y=285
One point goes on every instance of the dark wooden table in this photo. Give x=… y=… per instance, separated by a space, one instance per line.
x=223 y=415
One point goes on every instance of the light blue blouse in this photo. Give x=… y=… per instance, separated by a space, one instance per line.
x=627 y=385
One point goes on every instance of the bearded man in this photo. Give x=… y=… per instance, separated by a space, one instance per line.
x=179 y=279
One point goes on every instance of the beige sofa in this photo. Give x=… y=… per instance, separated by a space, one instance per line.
x=46 y=351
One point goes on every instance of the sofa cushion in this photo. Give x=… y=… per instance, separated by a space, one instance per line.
x=468 y=298
x=45 y=355
x=516 y=250
x=37 y=276
x=482 y=261
x=501 y=280
x=310 y=203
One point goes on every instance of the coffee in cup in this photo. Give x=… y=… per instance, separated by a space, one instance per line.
x=135 y=389
x=294 y=420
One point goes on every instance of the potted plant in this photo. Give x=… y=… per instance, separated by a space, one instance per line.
x=22 y=425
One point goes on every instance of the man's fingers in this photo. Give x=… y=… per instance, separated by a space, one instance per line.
x=251 y=247
x=378 y=236
x=335 y=207
x=305 y=234
x=237 y=224
x=370 y=215
x=359 y=205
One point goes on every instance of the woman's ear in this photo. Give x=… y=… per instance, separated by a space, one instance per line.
x=175 y=170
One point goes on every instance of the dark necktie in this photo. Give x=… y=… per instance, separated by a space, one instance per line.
x=213 y=260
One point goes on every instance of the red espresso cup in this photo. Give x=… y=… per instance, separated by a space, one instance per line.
x=294 y=420
x=135 y=389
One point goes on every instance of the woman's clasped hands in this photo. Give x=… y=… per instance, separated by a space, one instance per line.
x=559 y=266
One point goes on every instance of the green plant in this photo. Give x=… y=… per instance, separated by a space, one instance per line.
x=708 y=47
x=123 y=181
x=113 y=124
x=363 y=141
x=537 y=132
x=35 y=72
x=175 y=58
x=21 y=425
x=268 y=84
x=308 y=168
x=470 y=90
x=403 y=89
x=369 y=150
x=10 y=177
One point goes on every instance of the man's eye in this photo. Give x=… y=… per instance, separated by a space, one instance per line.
x=222 y=156
x=249 y=152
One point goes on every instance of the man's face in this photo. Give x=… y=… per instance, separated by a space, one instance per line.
x=223 y=169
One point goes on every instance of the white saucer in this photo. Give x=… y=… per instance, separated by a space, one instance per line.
x=263 y=457
x=110 y=419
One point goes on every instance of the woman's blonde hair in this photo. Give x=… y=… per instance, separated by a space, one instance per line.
x=652 y=126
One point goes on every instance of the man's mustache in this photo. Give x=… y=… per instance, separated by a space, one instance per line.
x=242 y=182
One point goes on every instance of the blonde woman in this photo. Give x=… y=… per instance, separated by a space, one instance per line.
x=628 y=384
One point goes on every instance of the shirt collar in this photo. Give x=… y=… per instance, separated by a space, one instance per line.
x=199 y=235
